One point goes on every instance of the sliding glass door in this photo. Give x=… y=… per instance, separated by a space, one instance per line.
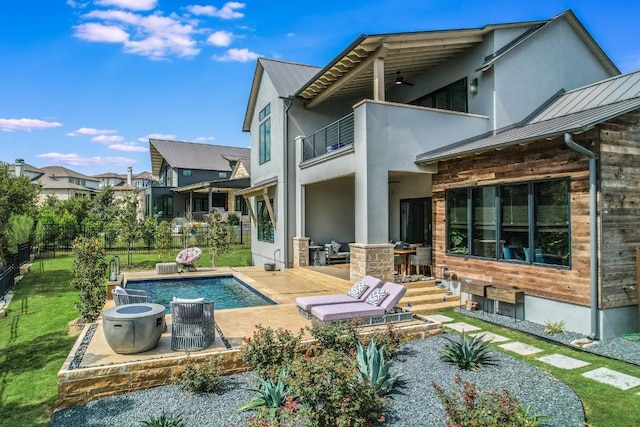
x=415 y=220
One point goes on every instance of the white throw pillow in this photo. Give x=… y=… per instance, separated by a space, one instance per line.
x=358 y=289
x=335 y=246
x=376 y=297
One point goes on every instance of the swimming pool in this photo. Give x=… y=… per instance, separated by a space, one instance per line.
x=225 y=291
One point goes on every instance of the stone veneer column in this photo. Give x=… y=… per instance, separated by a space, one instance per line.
x=371 y=259
x=301 y=252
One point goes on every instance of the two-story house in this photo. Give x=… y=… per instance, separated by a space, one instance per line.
x=64 y=183
x=138 y=180
x=194 y=178
x=479 y=142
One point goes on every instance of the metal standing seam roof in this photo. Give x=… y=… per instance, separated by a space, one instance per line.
x=192 y=155
x=287 y=78
x=576 y=110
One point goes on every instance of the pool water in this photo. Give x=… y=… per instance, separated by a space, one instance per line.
x=223 y=291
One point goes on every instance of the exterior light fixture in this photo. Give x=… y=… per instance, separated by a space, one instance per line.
x=473 y=86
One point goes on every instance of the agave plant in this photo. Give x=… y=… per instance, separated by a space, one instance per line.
x=374 y=369
x=271 y=395
x=166 y=419
x=467 y=353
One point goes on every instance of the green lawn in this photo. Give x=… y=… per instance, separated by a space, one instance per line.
x=34 y=343
x=34 y=338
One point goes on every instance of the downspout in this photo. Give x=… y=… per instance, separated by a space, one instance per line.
x=285 y=178
x=593 y=231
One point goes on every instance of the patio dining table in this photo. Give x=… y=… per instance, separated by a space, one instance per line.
x=405 y=254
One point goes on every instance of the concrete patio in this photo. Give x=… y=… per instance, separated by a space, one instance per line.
x=93 y=369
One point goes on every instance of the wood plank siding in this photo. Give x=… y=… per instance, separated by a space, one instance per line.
x=617 y=147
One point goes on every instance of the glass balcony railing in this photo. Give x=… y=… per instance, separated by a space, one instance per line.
x=337 y=135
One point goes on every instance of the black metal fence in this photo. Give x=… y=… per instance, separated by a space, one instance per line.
x=57 y=241
x=11 y=267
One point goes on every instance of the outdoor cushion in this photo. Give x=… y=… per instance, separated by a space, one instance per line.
x=305 y=303
x=358 y=289
x=333 y=312
x=376 y=297
x=176 y=299
x=119 y=290
x=335 y=246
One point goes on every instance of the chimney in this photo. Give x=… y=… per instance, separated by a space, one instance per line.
x=19 y=170
x=129 y=175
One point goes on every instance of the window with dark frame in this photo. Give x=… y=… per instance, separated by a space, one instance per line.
x=265 y=226
x=452 y=97
x=525 y=222
x=264 y=135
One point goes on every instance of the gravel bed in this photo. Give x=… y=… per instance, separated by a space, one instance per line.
x=412 y=403
x=616 y=348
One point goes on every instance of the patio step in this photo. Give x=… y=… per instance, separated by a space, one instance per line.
x=420 y=300
x=422 y=284
x=430 y=290
x=452 y=301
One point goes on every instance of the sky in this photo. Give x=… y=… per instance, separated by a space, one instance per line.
x=85 y=83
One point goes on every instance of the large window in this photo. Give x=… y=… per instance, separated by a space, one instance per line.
x=265 y=226
x=264 y=148
x=524 y=222
x=452 y=97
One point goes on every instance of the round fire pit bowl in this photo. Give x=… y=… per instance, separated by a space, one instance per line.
x=133 y=328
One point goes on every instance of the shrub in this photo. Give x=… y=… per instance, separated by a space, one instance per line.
x=374 y=369
x=233 y=219
x=331 y=392
x=551 y=327
x=286 y=416
x=391 y=339
x=19 y=231
x=465 y=405
x=89 y=268
x=202 y=378
x=467 y=353
x=269 y=350
x=338 y=336
x=270 y=395
x=166 y=419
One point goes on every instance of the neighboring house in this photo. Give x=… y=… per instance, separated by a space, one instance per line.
x=194 y=178
x=456 y=139
x=140 y=180
x=20 y=168
x=66 y=184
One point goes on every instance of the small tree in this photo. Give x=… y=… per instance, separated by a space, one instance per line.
x=163 y=240
x=89 y=268
x=149 y=231
x=129 y=228
x=19 y=231
x=216 y=232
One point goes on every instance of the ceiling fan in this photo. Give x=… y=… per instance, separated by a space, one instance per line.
x=401 y=81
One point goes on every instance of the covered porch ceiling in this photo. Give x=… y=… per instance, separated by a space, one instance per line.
x=371 y=63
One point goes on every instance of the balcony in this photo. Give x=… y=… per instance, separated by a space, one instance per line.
x=337 y=135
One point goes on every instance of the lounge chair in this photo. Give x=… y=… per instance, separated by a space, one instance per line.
x=371 y=312
x=122 y=296
x=358 y=293
x=192 y=324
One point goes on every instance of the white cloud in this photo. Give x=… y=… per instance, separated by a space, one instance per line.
x=220 y=38
x=73 y=159
x=239 y=55
x=94 y=32
x=204 y=138
x=228 y=11
x=131 y=147
x=168 y=136
x=26 y=125
x=107 y=139
x=291 y=34
x=77 y=4
x=128 y=4
x=155 y=36
x=91 y=131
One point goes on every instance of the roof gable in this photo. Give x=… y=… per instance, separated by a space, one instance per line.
x=287 y=78
x=192 y=155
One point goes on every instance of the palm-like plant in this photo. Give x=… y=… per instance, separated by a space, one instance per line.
x=374 y=369
x=271 y=395
x=467 y=353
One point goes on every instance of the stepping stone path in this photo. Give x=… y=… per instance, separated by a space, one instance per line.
x=563 y=362
x=601 y=375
